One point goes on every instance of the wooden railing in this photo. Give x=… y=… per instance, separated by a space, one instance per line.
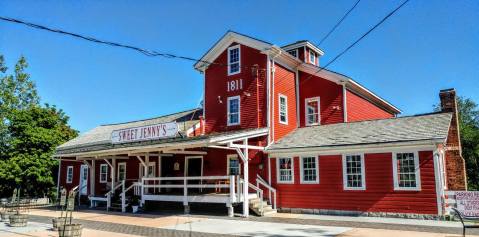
x=136 y=191
x=111 y=192
x=261 y=181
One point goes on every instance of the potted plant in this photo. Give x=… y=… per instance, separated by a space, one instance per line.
x=135 y=202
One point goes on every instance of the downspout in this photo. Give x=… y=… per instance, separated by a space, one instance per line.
x=272 y=98
x=439 y=180
x=345 y=110
x=268 y=98
x=297 y=99
x=256 y=74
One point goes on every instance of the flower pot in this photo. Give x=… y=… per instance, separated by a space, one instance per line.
x=70 y=230
x=134 y=209
x=18 y=220
x=58 y=221
x=6 y=214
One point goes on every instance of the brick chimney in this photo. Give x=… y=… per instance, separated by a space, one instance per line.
x=455 y=164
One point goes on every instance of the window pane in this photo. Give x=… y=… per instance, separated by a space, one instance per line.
x=309 y=169
x=233 y=109
x=354 y=175
x=234 y=65
x=285 y=169
x=406 y=170
x=312 y=110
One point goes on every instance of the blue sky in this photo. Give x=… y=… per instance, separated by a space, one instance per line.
x=425 y=47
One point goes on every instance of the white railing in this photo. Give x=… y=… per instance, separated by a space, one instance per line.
x=112 y=191
x=136 y=191
x=261 y=181
x=259 y=192
x=220 y=183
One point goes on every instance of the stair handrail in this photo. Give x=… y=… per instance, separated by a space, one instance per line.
x=260 y=180
x=109 y=193
x=123 y=194
x=259 y=192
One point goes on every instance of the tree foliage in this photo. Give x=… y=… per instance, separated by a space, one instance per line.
x=30 y=132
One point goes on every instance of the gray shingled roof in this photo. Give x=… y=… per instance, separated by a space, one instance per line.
x=402 y=129
x=101 y=134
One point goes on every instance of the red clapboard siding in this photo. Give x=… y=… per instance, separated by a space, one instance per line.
x=216 y=78
x=379 y=195
x=284 y=84
x=359 y=109
x=63 y=174
x=331 y=98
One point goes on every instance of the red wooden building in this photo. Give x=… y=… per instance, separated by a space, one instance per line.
x=276 y=132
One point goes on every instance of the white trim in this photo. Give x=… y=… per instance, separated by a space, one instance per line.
x=83 y=187
x=141 y=169
x=312 y=53
x=239 y=59
x=228 y=158
x=298 y=114
x=193 y=157
x=69 y=168
x=439 y=180
x=345 y=105
x=228 y=110
x=301 y=169
x=118 y=170
x=106 y=179
x=286 y=108
x=417 y=172
x=278 y=173
x=306 y=110
x=363 y=172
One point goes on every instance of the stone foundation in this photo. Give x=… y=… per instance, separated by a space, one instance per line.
x=358 y=213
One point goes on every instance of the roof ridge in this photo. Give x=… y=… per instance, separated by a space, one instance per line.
x=140 y=120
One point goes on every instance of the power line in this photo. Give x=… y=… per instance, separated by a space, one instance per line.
x=150 y=53
x=339 y=23
x=357 y=41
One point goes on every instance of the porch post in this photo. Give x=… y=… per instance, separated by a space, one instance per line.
x=246 y=180
x=92 y=178
x=113 y=173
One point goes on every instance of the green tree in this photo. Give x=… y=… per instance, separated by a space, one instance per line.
x=30 y=132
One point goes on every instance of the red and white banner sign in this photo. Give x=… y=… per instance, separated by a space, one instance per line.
x=468 y=202
x=151 y=132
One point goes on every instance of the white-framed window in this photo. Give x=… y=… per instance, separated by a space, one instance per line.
x=312 y=111
x=354 y=176
x=309 y=169
x=294 y=52
x=69 y=174
x=285 y=170
x=233 y=110
x=121 y=171
x=234 y=60
x=151 y=170
x=312 y=57
x=233 y=165
x=103 y=173
x=406 y=171
x=283 y=109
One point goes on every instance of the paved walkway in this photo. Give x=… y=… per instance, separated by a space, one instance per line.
x=99 y=223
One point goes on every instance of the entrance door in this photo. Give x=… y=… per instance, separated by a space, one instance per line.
x=84 y=180
x=194 y=167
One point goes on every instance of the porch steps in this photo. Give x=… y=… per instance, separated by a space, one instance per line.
x=255 y=206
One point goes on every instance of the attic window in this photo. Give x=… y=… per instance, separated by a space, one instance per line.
x=234 y=66
x=294 y=52
x=312 y=57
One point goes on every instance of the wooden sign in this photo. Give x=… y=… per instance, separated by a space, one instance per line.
x=468 y=202
x=144 y=133
x=14 y=197
x=63 y=197
x=71 y=201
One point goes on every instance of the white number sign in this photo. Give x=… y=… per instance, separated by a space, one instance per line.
x=234 y=85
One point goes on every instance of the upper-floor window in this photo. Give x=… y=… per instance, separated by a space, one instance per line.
x=233 y=110
x=121 y=171
x=312 y=111
x=353 y=172
x=103 y=173
x=406 y=171
x=294 y=52
x=285 y=171
x=283 y=109
x=234 y=60
x=312 y=57
x=69 y=174
x=234 y=167
x=309 y=170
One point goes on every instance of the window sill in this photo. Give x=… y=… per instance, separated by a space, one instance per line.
x=309 y=182
x=407 y=189
x=233 y=73
x=354 y=189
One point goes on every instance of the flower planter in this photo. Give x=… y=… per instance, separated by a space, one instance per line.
x=5 y=215
x=70 y=230
x=134 y=209
x=18 y=220
x=58 y=221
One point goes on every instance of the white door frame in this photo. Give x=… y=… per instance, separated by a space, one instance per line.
x=83 y=185
x=186 y=163
x=141 y=169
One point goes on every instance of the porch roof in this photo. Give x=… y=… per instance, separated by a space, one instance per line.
x=430 y=128
x=99 y=149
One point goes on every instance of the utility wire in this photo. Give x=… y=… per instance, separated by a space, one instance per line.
x=339 y=22
x=357 y=41
x=150 y=53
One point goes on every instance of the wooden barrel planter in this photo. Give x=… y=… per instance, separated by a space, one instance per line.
x=70 y=230
x=18 y=220
x=58 y=221
x=5 y=215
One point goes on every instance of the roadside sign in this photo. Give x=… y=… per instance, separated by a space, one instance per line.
x=468 y=202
